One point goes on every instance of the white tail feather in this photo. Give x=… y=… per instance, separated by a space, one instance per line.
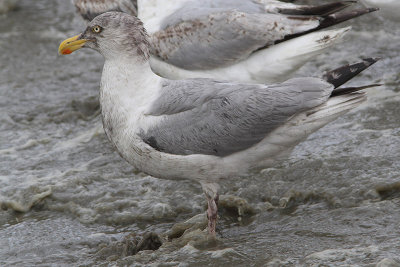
x=335 y=107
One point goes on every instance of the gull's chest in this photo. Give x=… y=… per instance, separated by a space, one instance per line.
x=122 y=117
x=122 y=126
x=126 y=93
x=114 y=118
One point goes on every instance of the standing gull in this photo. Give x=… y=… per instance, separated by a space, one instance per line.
x=201 y=129
x=241 y=40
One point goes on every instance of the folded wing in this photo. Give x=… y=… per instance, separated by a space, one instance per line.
x=226 y=118
x=211 y=38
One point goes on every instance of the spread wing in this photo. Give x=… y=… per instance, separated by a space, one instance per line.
x=201 y=116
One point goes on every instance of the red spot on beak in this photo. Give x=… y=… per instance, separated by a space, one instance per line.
x=66 y=52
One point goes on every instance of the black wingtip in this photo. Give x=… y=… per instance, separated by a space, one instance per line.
x=371 y=60
x=373 y=9
x=337 y=18
x=331 y=20
x=318 y=10
x=349 y=90
x=345 y=73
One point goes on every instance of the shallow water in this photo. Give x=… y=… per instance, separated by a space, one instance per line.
x=68 y=199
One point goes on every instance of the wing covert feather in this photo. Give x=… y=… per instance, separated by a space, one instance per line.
x=220 y=38
x=225 y=118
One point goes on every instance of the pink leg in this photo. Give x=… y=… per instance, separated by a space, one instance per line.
x=212 y=214
x=211 y=192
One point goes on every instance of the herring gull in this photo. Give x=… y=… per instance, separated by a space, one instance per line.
x=252 y=41
x=201 y=129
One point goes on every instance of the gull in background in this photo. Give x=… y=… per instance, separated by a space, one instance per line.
x=201 y=129
x=89 y=9
x=250 y=41
x=7 y=5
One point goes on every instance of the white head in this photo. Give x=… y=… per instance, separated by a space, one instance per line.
x=112 y=34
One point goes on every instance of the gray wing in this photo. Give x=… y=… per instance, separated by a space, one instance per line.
x=201 y=116
x=199 y=8
x=204 y=38
x=89 y=9
x=209 y=34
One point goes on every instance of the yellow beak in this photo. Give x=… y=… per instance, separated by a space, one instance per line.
x=71 y=44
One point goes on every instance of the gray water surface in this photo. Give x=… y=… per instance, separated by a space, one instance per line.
x=68 y=199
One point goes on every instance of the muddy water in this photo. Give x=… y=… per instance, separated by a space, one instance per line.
x=68 y=199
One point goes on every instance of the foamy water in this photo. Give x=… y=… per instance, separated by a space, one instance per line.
x=68 y=199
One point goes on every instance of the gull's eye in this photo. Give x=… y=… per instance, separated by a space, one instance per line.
x=96 y=29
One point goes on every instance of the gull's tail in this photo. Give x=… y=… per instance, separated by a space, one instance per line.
x=342 y=99
x=281 y=141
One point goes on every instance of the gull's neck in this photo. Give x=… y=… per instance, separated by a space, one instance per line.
x=153 y=12
x=130 y=80
x=128 y=88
